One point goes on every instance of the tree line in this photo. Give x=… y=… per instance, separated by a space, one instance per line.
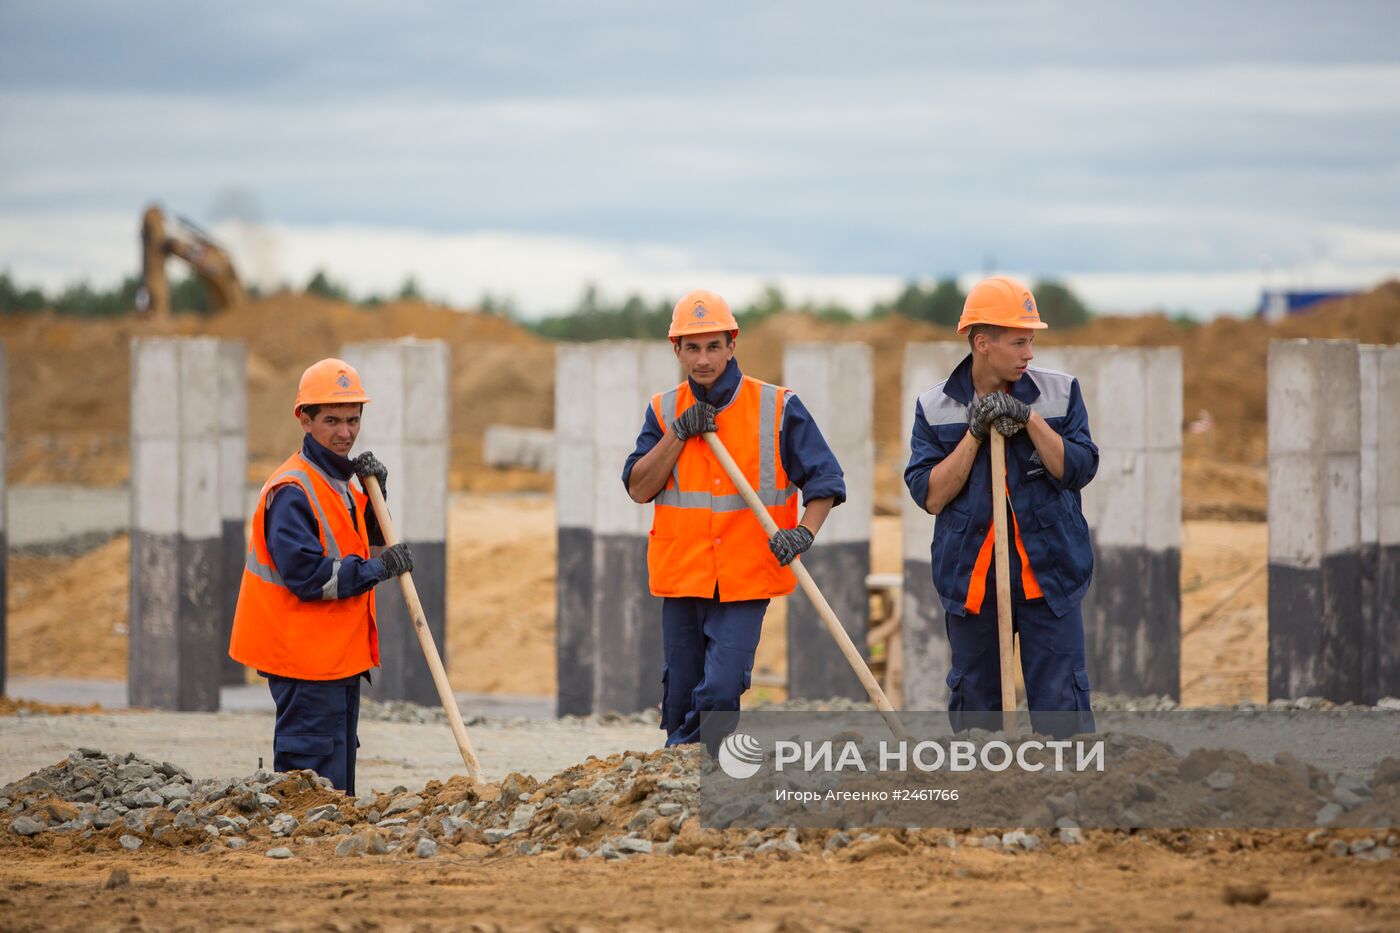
x=593 y=317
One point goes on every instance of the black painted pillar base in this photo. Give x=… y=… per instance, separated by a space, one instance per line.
x=1132 y=622
x=231 y=562
x=924 y=630
x=1315 y=635
x=816 y=667
x=1382 y=637
x=626 y=627
x=403 y=670
x=175 y=631
x=573 y=640
x=4 y=597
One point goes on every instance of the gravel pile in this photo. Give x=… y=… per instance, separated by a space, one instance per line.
x=625 y=806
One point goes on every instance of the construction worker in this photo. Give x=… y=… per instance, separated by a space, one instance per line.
x=708 y=557
x=1050 y=457
x=305 y=616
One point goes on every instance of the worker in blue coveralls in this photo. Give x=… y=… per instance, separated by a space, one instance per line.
x=1050 y=457
x=708 y=556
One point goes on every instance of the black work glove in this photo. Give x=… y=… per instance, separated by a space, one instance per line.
x=1000 y=410
x=694 y=421
x=367 y=464
x=397 y=559
x=788 y=543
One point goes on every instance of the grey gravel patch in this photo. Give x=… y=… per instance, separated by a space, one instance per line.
x=279 y=852
x=427 y=848
x=129 y=842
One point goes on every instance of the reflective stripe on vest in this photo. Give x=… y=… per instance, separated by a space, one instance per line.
x=767 y=490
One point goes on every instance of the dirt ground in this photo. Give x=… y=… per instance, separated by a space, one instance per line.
x=68 y=616
x=1153 y=881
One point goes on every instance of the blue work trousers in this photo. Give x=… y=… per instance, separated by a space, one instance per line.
x=709 y=650
x=1052 y=665
x=317 y=721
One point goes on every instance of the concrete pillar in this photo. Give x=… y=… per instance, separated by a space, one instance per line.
x=573 y=509
x=1132 y=612
x=1315 y=634
x=233 y=492
x=406 y=425
x=626 y=617
x=4 y=536
x=835 y=381
x=176 y=639
x=927 y=655
x=1380 y=523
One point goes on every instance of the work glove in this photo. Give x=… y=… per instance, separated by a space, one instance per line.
x=999 y=410
x=367 y=464
x=397 y=559
x=787 y=543
x=694 y=421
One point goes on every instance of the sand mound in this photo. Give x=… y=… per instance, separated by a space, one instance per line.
x=70 y=380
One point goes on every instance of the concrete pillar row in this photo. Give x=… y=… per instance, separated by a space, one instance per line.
x=608 y=625
x=574 y=510
x=835 y=381
x=1315 y=439
x=1132 y=611
x=927 y=655
x=177 y=637
x=1380 y=523
x=233 y=492
x=407 y=426
x=626 y=622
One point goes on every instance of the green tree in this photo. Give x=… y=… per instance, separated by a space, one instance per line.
x=15 y=299
x=322 y=286
x=1059 y=307
x=409 y=291
x=942 y=304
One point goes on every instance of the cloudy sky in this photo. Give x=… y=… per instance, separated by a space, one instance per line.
x=1155 y=155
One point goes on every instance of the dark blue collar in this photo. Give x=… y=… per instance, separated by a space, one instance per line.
x=959 y=385
x=330 y=462
x=722 y=392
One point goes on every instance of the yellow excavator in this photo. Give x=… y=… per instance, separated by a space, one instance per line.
x=210 y=261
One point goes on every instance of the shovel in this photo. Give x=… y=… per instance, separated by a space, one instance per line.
x=1003 y=569
x=804 y=579
x=425 y=635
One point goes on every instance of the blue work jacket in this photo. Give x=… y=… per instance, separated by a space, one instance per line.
x=1048 y=511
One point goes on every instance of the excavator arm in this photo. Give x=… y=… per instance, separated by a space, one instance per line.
x=209 y=261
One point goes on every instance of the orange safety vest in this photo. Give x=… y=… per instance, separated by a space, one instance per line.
x=703 y=535
x=977 y=586
x=274 y=630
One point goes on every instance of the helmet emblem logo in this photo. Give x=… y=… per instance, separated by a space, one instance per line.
x=343 y=381
x=699 y=311
x=1027 y=304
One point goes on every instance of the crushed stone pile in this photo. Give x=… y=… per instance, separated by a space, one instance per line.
x=625 y=806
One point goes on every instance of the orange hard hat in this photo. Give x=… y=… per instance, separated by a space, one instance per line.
x=1002 y=301
x=702 y=312
x=329 y=382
